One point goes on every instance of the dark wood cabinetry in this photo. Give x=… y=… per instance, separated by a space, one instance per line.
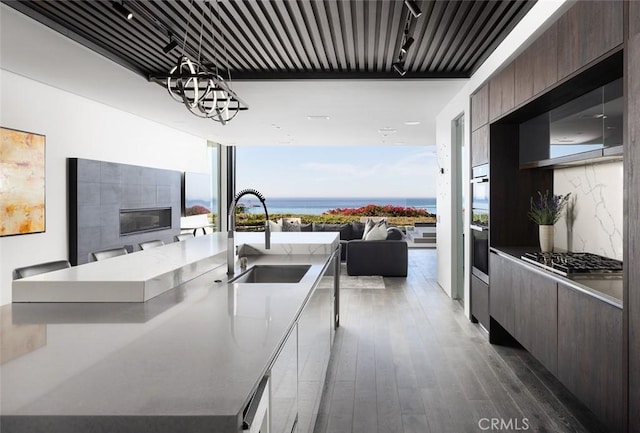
x=480 y=146
x=480 y=107
x=586 y=31
x=480 y=301
x=545 y=64
x=501 y=304
x=524 y=75
x=590 y=353
x=536 y=69
x=632 y=213
x=525 y=303
x=535 y=300
x=577 y=337
x=502 y=92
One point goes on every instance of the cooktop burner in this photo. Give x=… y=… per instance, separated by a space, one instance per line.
x=571 y=264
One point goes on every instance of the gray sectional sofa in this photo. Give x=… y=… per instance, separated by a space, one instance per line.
x=387 y=258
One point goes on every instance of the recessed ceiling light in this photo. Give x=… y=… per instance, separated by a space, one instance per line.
x=412 y=123
x=318 y=117
x=387 y=130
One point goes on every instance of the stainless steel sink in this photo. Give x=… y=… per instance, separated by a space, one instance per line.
x=286 y=274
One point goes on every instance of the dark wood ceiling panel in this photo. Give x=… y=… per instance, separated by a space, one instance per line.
x=313 y=30
x=442 y=34
x=272 y=39
x=333 y=12
x=350 y=40
x=293 y=35
x=427 y=40
x=485 y=35
x=456 y=49
x=451 y=41
x=326 y=34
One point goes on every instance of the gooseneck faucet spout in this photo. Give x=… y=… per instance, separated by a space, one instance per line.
x=232 y=226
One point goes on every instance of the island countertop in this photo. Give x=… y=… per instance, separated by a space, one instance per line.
x=188 y=360
x=142 y=275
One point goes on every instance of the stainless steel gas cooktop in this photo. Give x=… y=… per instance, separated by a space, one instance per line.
x=573 y=264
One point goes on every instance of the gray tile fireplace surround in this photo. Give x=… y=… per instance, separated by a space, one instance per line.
x=99 y=190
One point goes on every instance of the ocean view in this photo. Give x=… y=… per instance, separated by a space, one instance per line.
x=317 y=206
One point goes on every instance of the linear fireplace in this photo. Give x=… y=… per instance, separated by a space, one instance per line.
x=134 y=221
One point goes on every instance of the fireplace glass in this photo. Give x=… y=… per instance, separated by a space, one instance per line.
x=133 y=221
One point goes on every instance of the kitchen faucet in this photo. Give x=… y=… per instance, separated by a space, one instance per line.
x=232 y=226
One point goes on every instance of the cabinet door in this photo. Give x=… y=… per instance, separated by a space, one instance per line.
x=587 y=31
x=480 y=301
x=545 y=60
x=524 y=75
x=284 y=386
x=590 y=353
x=480 y=146
x=314 y=346
x=480 y=107
x=501 y=296
x=502 y=92
x=536 y=315
x=632 y=222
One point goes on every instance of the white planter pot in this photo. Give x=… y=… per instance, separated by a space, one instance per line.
x=546 y=238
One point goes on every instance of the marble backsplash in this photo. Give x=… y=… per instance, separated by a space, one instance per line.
x=596 y=207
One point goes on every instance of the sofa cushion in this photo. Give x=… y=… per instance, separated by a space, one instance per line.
x=344 y=229
x=376 y=231
x=394 y=234
x=306 y=227
x=357 y=230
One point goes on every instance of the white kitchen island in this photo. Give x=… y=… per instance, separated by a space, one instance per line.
x=192 y=367
x=143 y=275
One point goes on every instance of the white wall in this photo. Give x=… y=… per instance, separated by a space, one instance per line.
x=78 y=127
x=543 y=13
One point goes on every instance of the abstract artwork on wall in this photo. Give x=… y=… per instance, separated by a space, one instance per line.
x=22 y=182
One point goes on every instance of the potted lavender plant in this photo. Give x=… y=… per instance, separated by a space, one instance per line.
x=546 y=211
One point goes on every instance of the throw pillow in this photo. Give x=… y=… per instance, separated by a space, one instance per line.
x=378 y=232
x=275 y=226
x=290 y=226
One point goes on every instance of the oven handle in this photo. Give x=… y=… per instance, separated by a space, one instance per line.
x=483 y=179
x=478 y=228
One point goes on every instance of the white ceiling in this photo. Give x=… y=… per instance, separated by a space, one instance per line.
x=279 y=110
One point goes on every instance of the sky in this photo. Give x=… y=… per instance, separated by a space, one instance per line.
x=331 y=171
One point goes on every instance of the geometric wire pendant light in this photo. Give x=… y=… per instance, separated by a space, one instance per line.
x=203 y=91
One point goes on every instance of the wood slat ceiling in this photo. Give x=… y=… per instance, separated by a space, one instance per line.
x=281 y=39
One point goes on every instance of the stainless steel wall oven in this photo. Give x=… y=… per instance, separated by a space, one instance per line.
x=480 y=222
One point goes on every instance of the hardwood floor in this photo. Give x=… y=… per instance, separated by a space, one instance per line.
x=406 y=359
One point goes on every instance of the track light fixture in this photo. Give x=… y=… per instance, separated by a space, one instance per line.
x=122 y=10
x=170 y=46
x=413 y=8
x=399 y=68
x=407 y=44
